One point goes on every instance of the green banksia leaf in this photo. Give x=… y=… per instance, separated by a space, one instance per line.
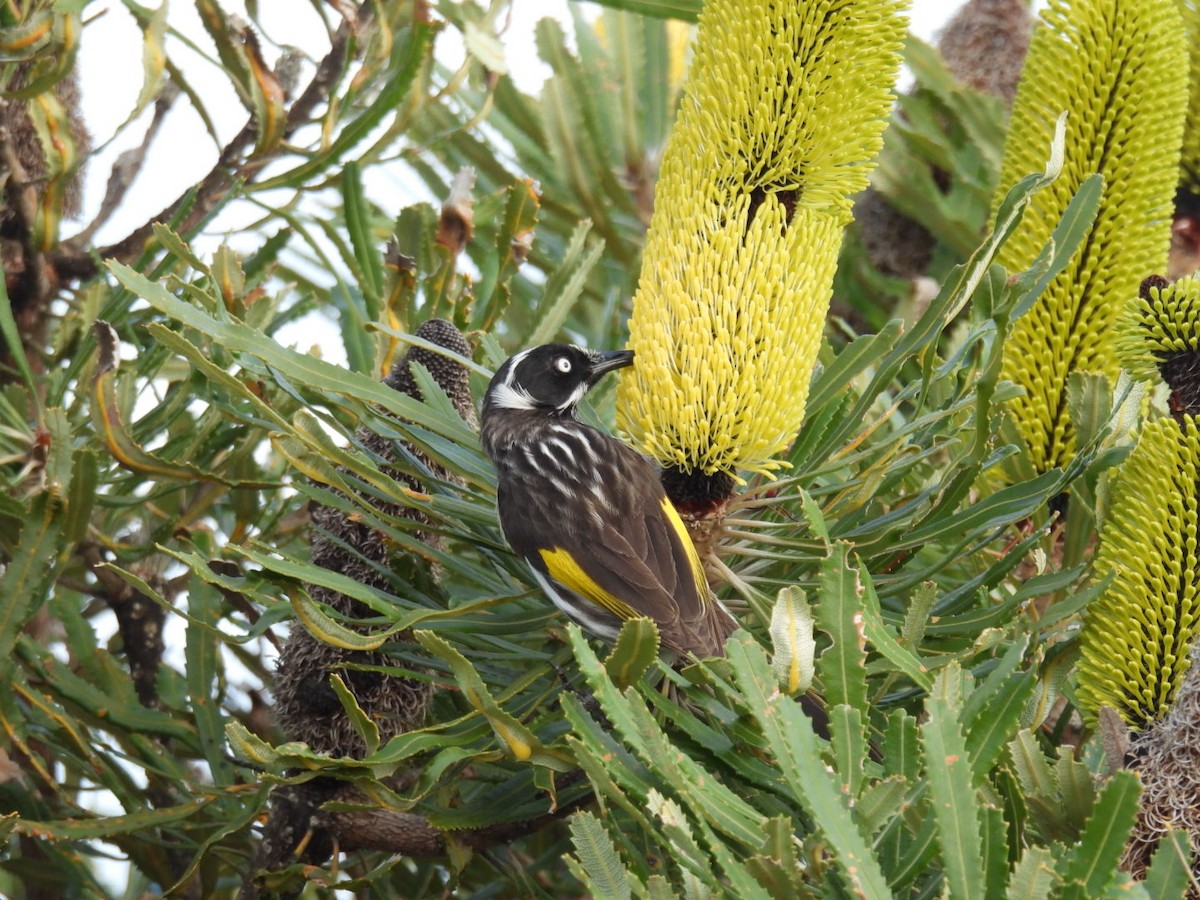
x=1159 y=336
x=52 y=120
x=1169 y=872
x=1119 y=69
x=634 y=651
x=512 y=734
x=785 y=106
x=1137 y=635
x=1093 y=861
x=600 y=862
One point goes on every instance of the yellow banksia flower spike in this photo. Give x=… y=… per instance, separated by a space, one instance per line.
x=1119 y=70
x=1190 y=163
x=1158 y=337
x=783 y=112
x=1137 y=635
x=1185 y=230
x=679 y=35
x=1163 y=321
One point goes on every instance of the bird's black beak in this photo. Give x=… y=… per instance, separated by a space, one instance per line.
x=606 y=360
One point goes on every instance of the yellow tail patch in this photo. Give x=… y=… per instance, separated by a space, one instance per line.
x=688 y=547
x=564 y=569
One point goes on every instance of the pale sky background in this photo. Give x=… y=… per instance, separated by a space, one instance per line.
x=111 y=75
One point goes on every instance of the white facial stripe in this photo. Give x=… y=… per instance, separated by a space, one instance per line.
x=512 y=366
x=505 y=396
x=576 y=396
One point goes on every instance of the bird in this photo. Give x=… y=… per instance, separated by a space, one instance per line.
x=587 y=512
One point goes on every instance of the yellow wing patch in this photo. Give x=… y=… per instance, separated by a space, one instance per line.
x=566 y=571
x=688 y=547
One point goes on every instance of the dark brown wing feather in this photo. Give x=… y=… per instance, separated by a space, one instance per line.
x=631 y=551
x=687 y=623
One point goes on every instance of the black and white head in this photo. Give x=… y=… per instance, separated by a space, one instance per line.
x=551 y=379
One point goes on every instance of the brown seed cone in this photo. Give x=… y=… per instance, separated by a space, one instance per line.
x=306 y=707
x=985 y=43
x=895 y=244
x=14 y=116
x=30 y=281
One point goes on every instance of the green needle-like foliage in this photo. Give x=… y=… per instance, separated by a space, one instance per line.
x=1138 y=633
x=1118 y=68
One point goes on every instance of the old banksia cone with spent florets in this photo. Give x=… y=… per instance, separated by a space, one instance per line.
x=306 y=706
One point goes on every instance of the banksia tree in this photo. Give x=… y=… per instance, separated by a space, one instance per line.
x=1118 y=69
x=252 y=496
x=784 y=109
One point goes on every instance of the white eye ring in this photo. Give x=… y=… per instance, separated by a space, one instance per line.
x=563 y=364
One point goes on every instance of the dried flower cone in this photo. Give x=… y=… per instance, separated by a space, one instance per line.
x=984 y=46
x=895 y=244
x=27 y=147
x=37 y=186
x=985 y=43
x=1166 y=757
x=306 y=707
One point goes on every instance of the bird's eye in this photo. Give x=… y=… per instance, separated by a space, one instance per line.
x=563 y=364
